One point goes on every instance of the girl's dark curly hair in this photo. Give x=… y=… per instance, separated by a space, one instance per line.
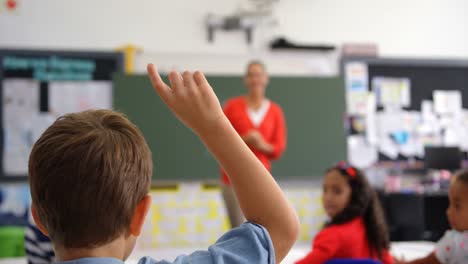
x=364 y=203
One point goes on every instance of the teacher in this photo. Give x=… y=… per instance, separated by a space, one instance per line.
x=260 y=123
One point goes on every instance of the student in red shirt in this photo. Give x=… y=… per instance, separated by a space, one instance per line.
x=356 y=228
x=260 y=123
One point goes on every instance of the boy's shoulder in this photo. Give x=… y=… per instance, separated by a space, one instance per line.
x=249 y=243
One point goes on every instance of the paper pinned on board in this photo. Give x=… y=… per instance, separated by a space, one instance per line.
x=427 y=110
x=20 y=105
x=360 y=153
x=388 y=148
x=447 y=102
x=464 y=130
x=24 y=121
x=357 y=103
x=371 y=133
x=388 y=123
x=356 y=77
x=357 y=88
x=68 y=96
x=392 y=91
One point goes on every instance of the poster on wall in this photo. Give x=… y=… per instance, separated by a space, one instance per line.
x=392 y=91
x=356 y=82
x=447 y=102
x=37 y=87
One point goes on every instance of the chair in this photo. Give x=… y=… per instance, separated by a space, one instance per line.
x=11 y=241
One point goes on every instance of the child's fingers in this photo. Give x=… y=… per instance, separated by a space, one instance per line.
x=171 y=82
x=189 y=82
x=177 y=82
x=158 y=84
x=201 y=80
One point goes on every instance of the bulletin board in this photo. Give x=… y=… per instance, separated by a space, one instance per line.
x=36 y=87
x=395 y=107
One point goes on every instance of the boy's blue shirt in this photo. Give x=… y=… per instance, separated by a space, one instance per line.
x=249 y=243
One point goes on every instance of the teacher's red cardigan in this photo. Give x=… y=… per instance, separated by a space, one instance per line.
x=272 y=128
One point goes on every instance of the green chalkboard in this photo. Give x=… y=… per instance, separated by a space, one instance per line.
x=313 y=109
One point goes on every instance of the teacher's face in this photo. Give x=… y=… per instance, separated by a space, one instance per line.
x=256 y=79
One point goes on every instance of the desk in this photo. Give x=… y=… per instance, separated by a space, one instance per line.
x=413 y=217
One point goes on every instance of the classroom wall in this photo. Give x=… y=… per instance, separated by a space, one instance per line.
x=188 y=214
x=172 y=32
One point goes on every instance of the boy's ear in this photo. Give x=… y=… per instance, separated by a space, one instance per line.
x=139 y=215
x=36 y=220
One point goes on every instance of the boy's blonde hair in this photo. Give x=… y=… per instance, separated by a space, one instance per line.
x=87 y=173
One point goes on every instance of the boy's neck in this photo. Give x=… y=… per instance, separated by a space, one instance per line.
x=115 y=249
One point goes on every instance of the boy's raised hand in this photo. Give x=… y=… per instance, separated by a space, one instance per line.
x=190 y=98
x=194 y=102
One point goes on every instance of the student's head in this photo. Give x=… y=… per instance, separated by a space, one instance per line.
x=346 y=195
x=89 y=175
x=346 y=192
x=457 y=212
x=256 y=78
